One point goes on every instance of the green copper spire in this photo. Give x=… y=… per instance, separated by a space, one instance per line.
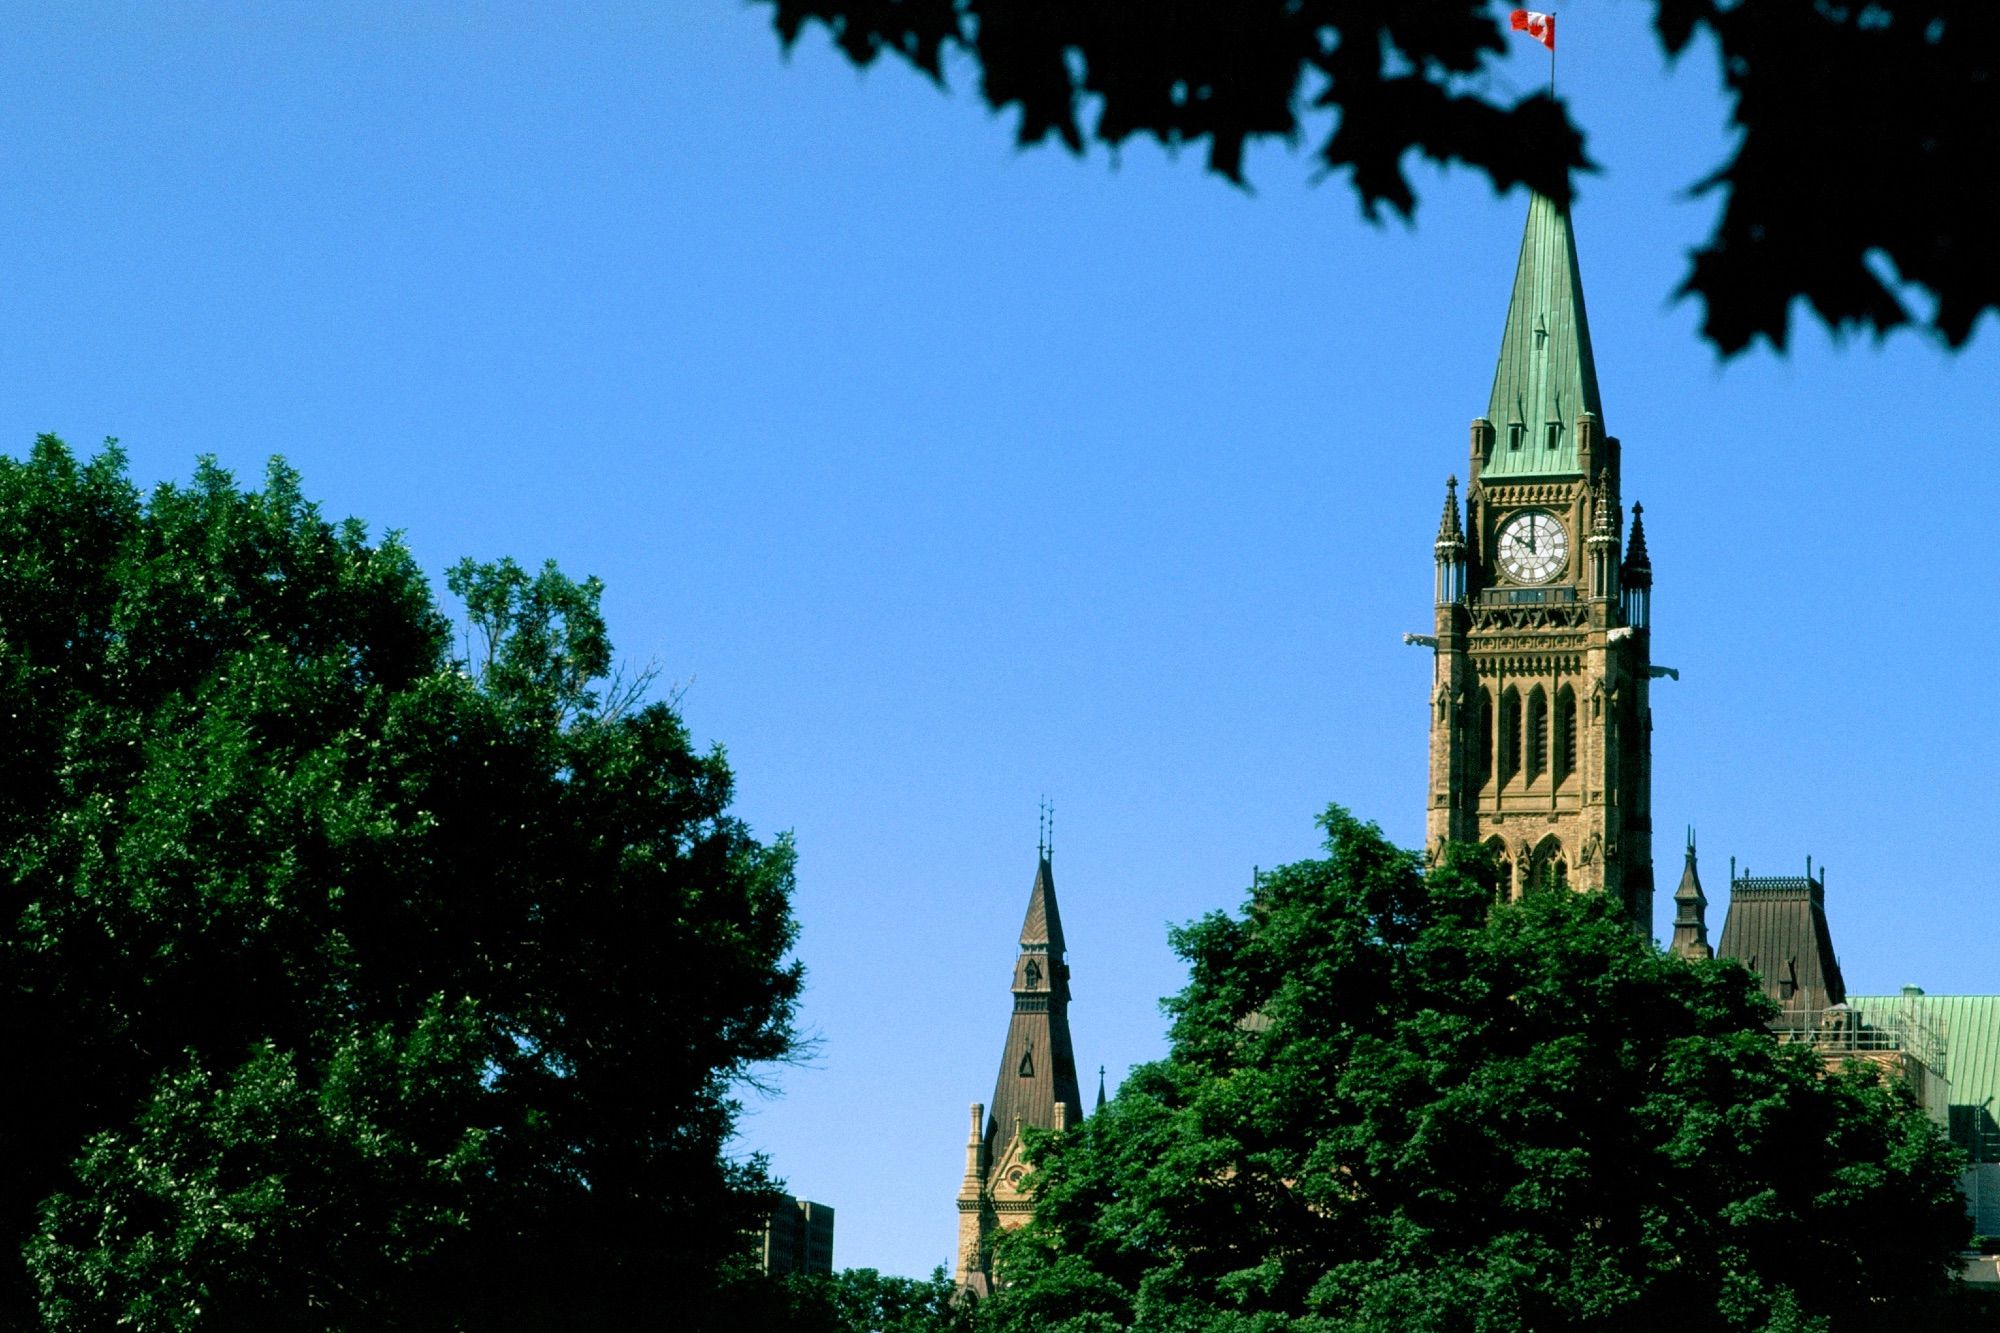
x=1546 y=377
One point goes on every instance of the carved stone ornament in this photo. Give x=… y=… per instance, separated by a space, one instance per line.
x=1553 y=615
x=1543 y=494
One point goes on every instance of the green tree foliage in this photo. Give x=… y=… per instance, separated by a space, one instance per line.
x=861 y=1300
x=1867 y=128
x=344 y=983
x=1393 y=1107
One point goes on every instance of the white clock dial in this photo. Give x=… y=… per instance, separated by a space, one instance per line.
x=1533 y=547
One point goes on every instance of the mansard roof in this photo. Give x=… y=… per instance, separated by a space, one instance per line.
x=1777 y=927
x=1546 y=372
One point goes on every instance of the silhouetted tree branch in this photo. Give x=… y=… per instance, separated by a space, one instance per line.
x=1869 y=131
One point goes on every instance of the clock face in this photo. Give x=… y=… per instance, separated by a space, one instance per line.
x=1533 y=547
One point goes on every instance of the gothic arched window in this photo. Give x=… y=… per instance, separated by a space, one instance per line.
x=1565 y=757
x=1482 y=739
x=1505 y=886
x=1538 y=732
x=1550 y=867
x=1510 y=733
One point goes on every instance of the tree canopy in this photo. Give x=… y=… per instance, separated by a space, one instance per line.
x=1393 y=1106
x=346 y=982
x=1867 y=128
x=862 y=1300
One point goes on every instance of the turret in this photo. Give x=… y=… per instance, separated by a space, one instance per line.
x=1690 y=912
x=975 y=1147
x=1638 y=575
x=1602 y=544
x=1450 y=549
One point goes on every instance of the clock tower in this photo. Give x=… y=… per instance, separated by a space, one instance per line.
x=1539 y=716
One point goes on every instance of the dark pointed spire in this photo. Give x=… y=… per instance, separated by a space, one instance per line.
x=1037 y=1063
x=1690 y=912
x=1636 y=559
x=1450 y=534
x=1043 y=924
x=1100 y=1088
x=1450 y=549
x=1546 y=377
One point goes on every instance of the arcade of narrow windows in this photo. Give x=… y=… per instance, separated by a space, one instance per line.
x=1525 y=740
x=1534 y=738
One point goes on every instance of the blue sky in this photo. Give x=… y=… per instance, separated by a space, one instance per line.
x=947 y=476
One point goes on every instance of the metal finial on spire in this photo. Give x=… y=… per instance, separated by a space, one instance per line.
x=1051 y=852
x=1042 y=828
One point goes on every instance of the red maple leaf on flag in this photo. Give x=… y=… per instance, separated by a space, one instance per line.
x=1541 y=27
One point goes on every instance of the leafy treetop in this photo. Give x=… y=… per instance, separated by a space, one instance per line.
x=1393 y=1106
x=356 y=985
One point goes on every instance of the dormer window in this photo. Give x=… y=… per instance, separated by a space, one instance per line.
x=1555 y=434
x=1516 y=433
x=1032 y=973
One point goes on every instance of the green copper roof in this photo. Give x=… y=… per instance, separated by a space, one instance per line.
x=1970 y=1027
x=1545 y=373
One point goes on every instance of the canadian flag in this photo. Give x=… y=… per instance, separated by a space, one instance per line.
x=1541 y=27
